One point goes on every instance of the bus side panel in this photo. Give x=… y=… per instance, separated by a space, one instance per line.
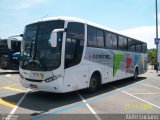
x=128 y=64
x=142 y=63
x=98 y=68
x=158 y=56
x=76 y=78
x=122 y=65
x=113 y=64
x=100 y=60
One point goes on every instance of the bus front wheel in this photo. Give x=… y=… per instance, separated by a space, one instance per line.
x=94 y=83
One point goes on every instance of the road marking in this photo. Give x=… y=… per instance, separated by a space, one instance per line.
x=91 y=100
x=7 y=103
x=8 y=86
x=13 y=89
x=89 y=107
x=8 y=75
x=147 y=93
x=15 y=108
x=150 y=86
x=137 y=97
x=142 y=99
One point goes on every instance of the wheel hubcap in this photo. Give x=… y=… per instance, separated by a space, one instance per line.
x=94 y=83
x=135 y=75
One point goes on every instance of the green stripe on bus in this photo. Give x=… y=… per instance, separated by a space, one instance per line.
x=118 y=56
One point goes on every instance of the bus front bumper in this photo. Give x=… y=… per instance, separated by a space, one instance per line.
x=55 y=86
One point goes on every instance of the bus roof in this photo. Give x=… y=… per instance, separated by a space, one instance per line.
x=15 y=38
x=74 y=19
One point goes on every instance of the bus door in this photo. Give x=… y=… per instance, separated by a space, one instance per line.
x=74 y=46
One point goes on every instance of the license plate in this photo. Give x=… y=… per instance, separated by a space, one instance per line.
x=33 y=86
x=15 y=58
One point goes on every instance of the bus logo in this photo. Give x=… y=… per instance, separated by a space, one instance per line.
x=37 y=75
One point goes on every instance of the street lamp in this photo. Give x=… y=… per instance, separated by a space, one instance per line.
x=157 y=39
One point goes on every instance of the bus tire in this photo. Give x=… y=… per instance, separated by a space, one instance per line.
x=94 y=82
x=135 y=74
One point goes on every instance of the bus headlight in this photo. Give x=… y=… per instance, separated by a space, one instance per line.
x=50 y=79
x=21 y=76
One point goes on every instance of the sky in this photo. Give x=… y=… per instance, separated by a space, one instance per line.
x=135 y=18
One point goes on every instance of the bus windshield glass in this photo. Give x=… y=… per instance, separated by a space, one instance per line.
x=3 y=44
x=36 y=51
x=3 y=47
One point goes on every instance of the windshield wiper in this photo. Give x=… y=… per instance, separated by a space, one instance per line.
x=28 y=51
x=24 y=60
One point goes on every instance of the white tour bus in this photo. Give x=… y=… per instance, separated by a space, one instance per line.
x=64 y=54
x=158 y=56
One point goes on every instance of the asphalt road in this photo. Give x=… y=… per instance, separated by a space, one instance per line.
x=113 y=101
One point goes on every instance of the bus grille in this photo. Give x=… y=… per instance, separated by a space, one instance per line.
x=33 y=80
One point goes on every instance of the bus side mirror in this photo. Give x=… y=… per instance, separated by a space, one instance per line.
x=21 y=35
x=9 y=42
x=53 y=37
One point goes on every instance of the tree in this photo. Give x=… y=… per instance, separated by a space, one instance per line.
x=152 y=55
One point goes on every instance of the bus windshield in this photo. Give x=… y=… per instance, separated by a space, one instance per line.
x=36 y=51
x=3 y=44
x=3 y=47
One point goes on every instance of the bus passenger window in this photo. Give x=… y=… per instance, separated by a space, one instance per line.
x=114 y=39
x=138 y=48
x=122 y=43
x=15 y=45
x=144 y=48
x=91 y=36
x=125 y=43
x=108 y=40
x=131 y=45
x=100 y=38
